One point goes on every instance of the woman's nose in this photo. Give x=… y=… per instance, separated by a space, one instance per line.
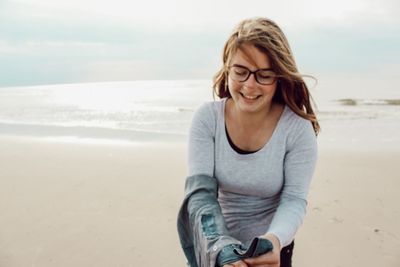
x=251 y=81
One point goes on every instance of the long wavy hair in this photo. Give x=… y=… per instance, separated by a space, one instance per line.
x=267 y=37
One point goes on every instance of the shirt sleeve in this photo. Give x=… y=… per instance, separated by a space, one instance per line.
x=202 y=141
x=299 y=165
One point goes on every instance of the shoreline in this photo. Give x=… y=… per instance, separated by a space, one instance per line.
x=81 y=133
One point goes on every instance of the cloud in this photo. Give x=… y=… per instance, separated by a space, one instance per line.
x=46 y=41
x=188 y=13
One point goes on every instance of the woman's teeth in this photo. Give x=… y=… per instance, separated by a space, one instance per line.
x=250 y=96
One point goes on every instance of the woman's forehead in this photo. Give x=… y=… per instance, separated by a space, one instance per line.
x=250 y=56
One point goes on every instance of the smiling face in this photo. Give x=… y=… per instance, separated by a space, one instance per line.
x=251 y=96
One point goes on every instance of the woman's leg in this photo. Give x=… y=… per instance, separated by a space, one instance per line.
x=286 y=255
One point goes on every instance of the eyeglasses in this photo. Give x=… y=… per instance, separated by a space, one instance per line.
x=242 y=74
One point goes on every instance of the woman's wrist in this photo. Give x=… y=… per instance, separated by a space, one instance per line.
x=274 y=240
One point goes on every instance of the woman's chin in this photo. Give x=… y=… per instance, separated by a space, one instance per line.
x=250 y=107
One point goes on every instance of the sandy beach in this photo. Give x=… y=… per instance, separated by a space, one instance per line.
x=76 y=204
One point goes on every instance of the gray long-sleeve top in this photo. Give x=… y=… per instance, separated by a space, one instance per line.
x=261 y=192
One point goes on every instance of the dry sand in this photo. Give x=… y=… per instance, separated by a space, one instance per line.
x=67 y=204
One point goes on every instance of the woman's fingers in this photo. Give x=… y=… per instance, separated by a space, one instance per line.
x=237 y=264
x=269 y=259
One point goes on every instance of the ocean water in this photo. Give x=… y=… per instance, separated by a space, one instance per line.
x=137 y=111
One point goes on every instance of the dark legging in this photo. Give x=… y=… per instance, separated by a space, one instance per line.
x=286 y=255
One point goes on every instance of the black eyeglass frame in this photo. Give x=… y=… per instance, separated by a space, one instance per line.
x=254 y=73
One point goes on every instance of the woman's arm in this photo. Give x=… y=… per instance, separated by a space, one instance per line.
x=202 y=217
x=201 y=141
x=299 y=165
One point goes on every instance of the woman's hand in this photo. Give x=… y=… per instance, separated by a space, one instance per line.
x=270 y=259
x=236 y=264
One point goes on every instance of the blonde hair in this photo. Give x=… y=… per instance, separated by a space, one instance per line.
x=268 y=38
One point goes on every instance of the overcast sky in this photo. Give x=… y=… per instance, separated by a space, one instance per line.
x=69 y=41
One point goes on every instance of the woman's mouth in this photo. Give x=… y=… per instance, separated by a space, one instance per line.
x=250 y=97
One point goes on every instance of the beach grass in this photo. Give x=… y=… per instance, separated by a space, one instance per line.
x=374 y=102
x=348 y=102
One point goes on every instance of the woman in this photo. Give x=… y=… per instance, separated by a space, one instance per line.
x=258 y=141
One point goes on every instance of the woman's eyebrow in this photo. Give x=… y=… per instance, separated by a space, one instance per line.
x=238 y=65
